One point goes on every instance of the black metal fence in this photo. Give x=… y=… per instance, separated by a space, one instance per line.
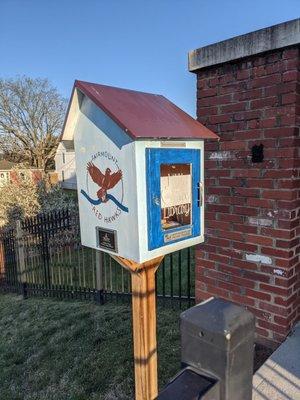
x=43 y=256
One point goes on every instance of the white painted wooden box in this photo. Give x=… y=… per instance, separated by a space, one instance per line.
x=140 y=171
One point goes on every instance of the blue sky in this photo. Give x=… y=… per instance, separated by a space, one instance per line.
x=136 y=44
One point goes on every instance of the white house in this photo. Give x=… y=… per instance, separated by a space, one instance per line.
x=65 y=164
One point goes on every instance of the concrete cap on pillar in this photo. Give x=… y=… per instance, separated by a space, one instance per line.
x=267 y=39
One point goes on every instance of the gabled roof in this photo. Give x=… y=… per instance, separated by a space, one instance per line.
x=144 y=115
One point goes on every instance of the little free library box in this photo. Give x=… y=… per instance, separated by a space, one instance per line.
x=140 y=171
x=139 y=167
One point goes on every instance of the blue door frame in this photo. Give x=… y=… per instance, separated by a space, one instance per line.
x=154 y=158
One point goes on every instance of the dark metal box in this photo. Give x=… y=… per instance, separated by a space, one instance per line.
x=217 y=338
x=190 y=385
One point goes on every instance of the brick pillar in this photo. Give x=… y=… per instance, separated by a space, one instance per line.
x=251 y=251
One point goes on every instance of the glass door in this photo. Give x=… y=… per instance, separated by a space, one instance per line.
x=173 y=195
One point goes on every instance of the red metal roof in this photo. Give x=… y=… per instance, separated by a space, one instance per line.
x=145 y=115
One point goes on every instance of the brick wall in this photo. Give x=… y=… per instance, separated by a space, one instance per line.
x=251 y=252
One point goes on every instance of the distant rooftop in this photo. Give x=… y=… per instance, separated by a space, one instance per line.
x=68 y=144
x=267 y=39
x=6 y=165
x=144 y=115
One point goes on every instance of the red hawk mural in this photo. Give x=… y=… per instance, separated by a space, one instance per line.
x=106 y=181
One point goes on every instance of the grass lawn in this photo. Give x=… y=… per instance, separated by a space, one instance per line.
x=63 y=350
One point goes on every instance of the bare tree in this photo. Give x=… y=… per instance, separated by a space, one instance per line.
x=31 y=118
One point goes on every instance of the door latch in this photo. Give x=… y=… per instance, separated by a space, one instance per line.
x=199 y=194
x=156 y=200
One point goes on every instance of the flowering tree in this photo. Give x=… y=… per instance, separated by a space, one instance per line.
x=18 y=198
x=53 y=198
x=23 y=197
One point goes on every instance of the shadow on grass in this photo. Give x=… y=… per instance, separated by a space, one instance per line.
x=72 y=350
x=59 y=350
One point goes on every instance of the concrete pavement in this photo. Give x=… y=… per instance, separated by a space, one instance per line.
x=279 y=377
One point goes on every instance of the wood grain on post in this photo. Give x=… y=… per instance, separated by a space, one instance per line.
x=144 y=326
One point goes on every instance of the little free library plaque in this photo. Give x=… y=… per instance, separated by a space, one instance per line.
x=107 y=239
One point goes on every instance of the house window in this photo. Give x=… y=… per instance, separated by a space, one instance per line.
x=2 y=176
x=63 y=175
x=63 y=157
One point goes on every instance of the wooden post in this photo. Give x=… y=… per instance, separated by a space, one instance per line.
x=144 y=326
x=2 y=260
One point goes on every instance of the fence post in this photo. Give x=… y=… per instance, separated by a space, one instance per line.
x=2 y=259
x=43 y=227
x=21 y=257
x=99 y=277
